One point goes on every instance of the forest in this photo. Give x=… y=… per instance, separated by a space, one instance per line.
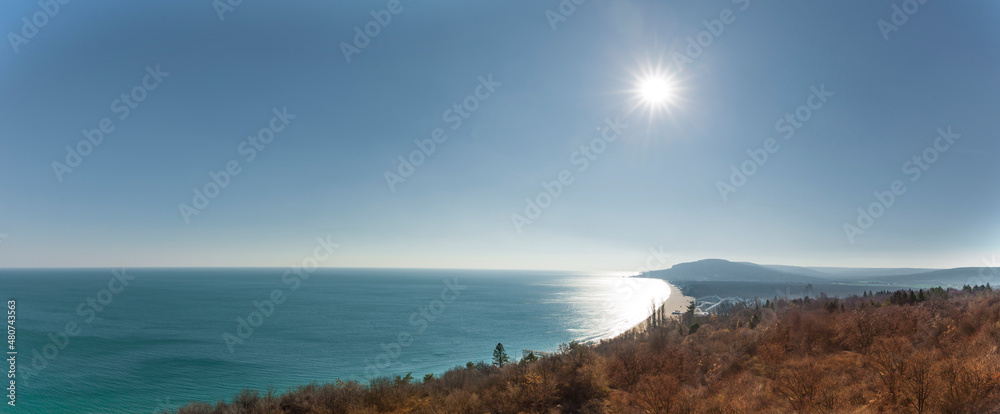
x=904 y=351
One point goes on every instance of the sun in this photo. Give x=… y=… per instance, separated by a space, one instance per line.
x=655 y=90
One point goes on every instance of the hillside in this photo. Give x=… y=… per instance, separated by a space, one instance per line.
x=718 y=270
x=947 y=277
x=748 y=279
x=847 y=272
x=900 y=352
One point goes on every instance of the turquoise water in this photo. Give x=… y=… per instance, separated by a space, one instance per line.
x=161 y=339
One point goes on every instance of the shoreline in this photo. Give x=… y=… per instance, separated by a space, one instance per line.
x=675 y=302
x=680 y=303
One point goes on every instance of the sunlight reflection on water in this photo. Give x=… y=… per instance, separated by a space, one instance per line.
x=606 y=306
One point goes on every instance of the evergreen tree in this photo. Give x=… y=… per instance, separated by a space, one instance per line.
x=500 y=357
x=689 y=315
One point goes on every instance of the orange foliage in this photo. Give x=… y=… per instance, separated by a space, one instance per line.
x=850 y=355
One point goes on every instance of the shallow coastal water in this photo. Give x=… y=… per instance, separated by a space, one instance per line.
x=153 y=339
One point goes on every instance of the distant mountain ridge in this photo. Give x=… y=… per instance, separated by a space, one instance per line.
x=827 y=272
x=719 y=270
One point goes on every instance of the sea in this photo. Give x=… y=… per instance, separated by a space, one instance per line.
x=150 y=340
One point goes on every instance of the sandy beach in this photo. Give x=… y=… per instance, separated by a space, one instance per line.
x=676 y=302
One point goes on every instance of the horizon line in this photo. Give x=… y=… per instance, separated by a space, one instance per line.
x=466 y=268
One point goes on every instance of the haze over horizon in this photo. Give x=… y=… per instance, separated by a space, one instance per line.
x=541 y=89
x=989 y=263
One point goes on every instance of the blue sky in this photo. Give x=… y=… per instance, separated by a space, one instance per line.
x=656 y=186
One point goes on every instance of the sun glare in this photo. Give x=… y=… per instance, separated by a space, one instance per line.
x=655 y=90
